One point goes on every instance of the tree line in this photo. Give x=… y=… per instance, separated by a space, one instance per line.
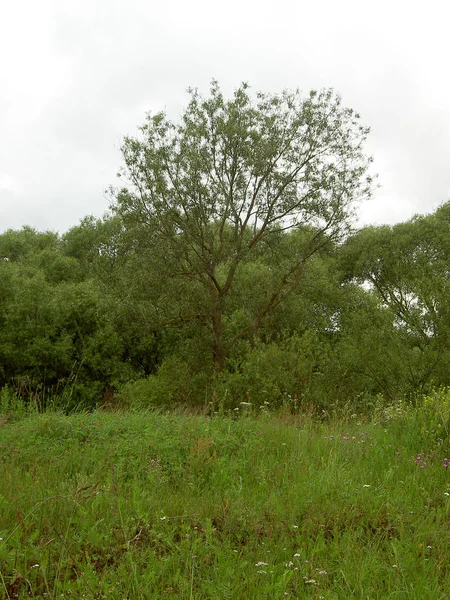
x=228 y=271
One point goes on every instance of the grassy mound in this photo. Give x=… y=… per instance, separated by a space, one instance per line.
x=173 y=506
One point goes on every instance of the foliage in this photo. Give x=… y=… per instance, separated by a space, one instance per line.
x=274 y=373
x=170 y=386
x=228 y=273
x=204 y=196
x=56 y=337
x=407 y=267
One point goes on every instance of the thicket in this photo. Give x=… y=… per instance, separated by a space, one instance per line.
x=371 y=317
x=227 y=272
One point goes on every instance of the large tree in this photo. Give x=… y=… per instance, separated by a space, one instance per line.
x=205 y=194
x=407 y=266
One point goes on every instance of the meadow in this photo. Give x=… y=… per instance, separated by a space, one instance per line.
x=137 y=505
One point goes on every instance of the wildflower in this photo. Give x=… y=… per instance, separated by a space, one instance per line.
x=262 y=572
x=311 y=581
x=261 y=564
x=290 y=564
x=295 y=527
x=446 y=494
x=245 y=403
x=395 y=566
x=297 y=555
x=162 y=518
x=34 y=566
x=323 y=573
x=237 y=408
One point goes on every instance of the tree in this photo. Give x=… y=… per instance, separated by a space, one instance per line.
x=407 y=267
x=56 y=333
x=202 y=196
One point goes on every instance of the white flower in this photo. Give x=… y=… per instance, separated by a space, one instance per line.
x=162 y=518
x=261 y=564
x=311 y=581
x=296 y=555
x=262 y=572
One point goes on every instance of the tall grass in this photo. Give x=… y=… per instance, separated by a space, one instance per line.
x=151 y=505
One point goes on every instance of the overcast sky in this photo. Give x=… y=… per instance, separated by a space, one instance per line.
x=78 y=75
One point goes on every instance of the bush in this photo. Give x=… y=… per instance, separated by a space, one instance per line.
x=275 y=374
x=168 y=387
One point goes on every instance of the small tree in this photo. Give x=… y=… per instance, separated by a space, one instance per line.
x=208 y=192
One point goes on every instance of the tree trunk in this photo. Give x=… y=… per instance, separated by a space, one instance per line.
x=217 y=341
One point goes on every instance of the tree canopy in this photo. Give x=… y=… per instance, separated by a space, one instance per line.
x=208 y=193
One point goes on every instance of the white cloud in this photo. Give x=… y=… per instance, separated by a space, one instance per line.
x=80 y=75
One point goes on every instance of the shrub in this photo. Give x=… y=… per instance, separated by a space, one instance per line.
x=275 y=374
x=168 y=387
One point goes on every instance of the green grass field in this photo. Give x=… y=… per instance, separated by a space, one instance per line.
x=148 y=505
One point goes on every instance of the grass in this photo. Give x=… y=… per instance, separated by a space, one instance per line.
x=148 y=505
